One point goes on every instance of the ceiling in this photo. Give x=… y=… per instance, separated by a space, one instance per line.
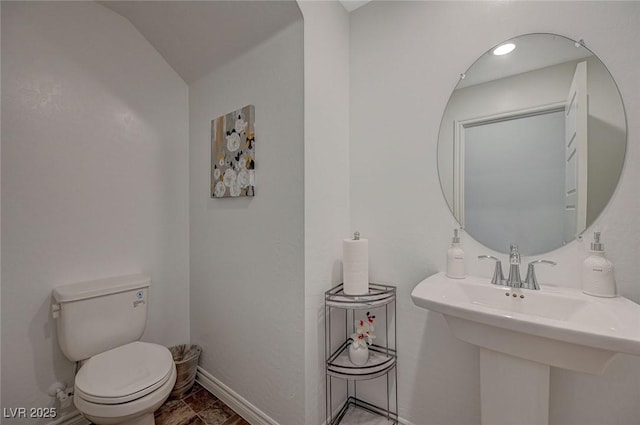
x=533 y=51
x=196 y=37
x=352 y=5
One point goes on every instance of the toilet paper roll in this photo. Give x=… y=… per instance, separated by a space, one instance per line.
x=355 y=266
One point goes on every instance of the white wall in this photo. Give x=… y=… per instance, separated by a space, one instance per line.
x=405 y=61
x=247 y=254
x=326 y=174
x=94 y=179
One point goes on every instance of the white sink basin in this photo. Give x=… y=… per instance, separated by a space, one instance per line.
x=559 y=327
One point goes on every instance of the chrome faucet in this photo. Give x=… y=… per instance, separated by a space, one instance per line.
x=514 y=279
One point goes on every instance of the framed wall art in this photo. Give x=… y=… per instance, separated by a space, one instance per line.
x=233 y=148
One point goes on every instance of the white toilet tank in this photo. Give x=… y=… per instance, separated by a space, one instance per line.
x=95 y=316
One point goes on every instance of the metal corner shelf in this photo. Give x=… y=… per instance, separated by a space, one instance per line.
x=382 y=360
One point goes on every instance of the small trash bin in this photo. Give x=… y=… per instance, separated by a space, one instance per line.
x=186 y=359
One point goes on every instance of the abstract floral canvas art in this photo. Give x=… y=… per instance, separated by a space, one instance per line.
x=233 y=148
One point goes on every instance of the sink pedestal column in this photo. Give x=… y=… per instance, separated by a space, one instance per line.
x=513 y=390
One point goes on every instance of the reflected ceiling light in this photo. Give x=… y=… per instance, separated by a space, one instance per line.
x=503 y=49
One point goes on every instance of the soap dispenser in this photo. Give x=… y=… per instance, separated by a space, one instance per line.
x=597 y=272
x=455 y=258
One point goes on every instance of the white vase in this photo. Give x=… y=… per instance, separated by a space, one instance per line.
x=358 y=355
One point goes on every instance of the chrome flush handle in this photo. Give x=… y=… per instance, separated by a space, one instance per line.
x=531 y=282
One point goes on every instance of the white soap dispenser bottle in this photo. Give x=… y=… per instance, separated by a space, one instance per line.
x=455 y=258
x=597 y=272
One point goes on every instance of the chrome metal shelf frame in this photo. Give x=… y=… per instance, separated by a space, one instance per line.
x=382 y=358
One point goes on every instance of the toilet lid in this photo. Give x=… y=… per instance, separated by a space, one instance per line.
x=124 y=373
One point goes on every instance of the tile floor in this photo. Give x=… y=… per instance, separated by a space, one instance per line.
x=356 y=416
x=197 y=407
x=200 y=407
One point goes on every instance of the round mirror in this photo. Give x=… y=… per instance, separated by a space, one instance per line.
x=532 y=143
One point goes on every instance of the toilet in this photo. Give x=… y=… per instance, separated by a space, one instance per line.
x=121 y=380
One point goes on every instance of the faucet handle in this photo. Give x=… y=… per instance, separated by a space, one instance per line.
x=531 y=282
x=498 y=277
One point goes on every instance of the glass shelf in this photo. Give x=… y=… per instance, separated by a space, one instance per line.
x=378 y=295
x=381 y=360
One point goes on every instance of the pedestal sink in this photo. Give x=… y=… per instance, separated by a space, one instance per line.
x=521 y=333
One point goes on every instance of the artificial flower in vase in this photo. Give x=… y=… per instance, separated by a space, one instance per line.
x=362 y=338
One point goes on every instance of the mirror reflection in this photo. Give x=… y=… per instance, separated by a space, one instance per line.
x=532 y=144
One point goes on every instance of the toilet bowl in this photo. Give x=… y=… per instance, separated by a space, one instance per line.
x=99 y=323
x=125 y=385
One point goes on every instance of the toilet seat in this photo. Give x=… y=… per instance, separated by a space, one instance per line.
x=135 y=412
x=124 y=374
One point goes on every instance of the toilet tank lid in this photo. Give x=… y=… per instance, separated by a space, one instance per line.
x=95 y=288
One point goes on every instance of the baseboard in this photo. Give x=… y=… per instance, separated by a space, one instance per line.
x=404 y=422
x=73 y=417
x=240 y=405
